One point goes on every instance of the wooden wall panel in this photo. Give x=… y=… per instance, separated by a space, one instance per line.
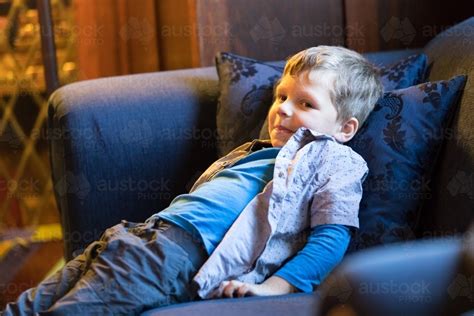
x=177 y=33
x=138 y=33
x=192 y=31
x=397 y=24
x=115 y=37
x=128 y=36
x=90 y=37
x=267 y=29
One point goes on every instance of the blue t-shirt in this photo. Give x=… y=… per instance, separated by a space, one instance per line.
x=209 y=211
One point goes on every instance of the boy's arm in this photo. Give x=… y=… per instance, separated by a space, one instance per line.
x=324 y=249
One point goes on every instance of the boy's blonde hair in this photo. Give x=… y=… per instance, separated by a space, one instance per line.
x=357 y=85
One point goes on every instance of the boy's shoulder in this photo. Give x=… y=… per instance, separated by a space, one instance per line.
x=333 y=150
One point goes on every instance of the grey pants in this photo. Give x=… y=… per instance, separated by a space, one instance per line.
x=132 y=268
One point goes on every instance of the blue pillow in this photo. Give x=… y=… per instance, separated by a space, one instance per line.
x=246 y=93
x=405 y=73
x=400 y=141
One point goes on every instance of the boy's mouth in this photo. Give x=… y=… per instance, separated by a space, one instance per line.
x=282 y=129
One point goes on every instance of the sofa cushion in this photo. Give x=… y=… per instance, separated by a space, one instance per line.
x=400 y=141
x=246 y=92
x=451 y=208
x=306 y=304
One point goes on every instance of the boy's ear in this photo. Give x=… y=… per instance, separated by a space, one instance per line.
x=347 y=130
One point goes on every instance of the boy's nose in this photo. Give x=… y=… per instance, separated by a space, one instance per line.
x=285 y=108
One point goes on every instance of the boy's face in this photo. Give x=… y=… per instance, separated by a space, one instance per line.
x=303 y=101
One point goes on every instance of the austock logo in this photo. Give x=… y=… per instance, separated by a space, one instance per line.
x=138 y=29
x=409 y=292
x=268 y=30
x=144 y=189
x=15 y=288
x=462 y=183
x=137 y=132
x=397 y=29
x=21 y=188
x=12 y=140
x=462 y=286
x=337 y=286
x=73 y=184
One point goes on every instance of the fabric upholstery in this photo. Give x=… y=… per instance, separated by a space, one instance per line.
x=398 y=279
x=123 y=147
x=246 y=92
x=451 y=208
x=399 y=141
x=192 y=96
x=306 y=304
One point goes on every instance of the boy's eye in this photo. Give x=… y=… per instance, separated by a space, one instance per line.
x=281 y=97
x=308 y=105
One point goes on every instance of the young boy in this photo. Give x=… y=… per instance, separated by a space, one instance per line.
x=269 y=218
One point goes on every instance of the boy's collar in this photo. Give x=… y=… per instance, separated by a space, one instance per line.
x=300 y=133
x=304 y=131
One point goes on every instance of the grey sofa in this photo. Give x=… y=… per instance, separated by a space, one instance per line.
x=123 y=147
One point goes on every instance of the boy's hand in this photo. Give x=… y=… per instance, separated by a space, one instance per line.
x=272 y=286
x=236 y=288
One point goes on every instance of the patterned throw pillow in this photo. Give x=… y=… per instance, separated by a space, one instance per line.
x=246 y=93
x=405 y=73
x=400 y=142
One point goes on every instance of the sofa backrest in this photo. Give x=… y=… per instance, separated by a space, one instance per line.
x=451 y=206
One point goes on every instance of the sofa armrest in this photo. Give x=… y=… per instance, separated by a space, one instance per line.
x=301 y=304
x=406 y=278
x=123 y=147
